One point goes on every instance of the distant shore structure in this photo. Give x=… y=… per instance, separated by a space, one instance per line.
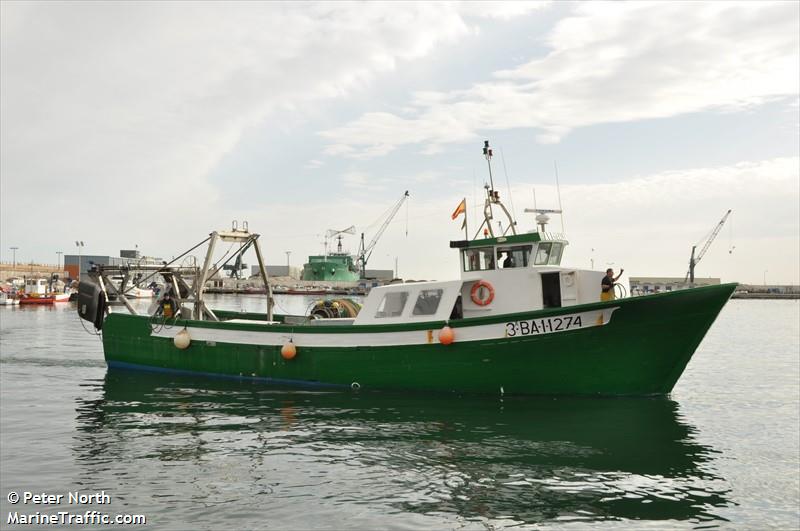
x=645 y=285
x=661 y=284
x=75 y=264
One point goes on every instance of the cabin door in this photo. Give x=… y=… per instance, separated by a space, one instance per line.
x=551 y=290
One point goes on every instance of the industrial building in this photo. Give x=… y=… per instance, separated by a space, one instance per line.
x=73 y=263
x=278 y=271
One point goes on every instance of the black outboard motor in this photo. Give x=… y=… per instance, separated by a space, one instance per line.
x=91 y=303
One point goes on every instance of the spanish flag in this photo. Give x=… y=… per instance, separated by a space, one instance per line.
x=461 y=208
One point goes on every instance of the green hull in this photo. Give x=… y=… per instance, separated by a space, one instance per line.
x=642 y=350
x=334 y=267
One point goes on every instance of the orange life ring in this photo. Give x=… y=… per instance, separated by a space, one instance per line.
x=474 y=293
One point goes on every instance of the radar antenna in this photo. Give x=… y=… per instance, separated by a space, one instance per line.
x=338 y=235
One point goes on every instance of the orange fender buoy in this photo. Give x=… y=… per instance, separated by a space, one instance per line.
x=288 y=350
x=446 y=335
x=482 y=293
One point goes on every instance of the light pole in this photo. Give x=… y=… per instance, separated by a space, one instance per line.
x=14 y=252
x=765 y=276
x=287 y=261
x=58 y=254
x=79 y=245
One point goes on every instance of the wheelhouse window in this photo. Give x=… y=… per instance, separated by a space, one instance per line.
x=427 y=302
x=555 y=253
x=516 y=256
x=478 y=259
x=542 y=253
x=392 y=304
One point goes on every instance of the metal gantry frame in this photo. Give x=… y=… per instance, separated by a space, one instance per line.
x=176 y=277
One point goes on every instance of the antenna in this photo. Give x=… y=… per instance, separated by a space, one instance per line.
x=493 y=200
x=508 y=185
x=558 y=190
x=338 y=234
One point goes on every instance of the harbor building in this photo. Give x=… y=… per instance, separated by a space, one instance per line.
x=277 y=271
x=379 y=274
x=73 y=263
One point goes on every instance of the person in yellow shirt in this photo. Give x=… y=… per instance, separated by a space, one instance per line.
x=607 y=285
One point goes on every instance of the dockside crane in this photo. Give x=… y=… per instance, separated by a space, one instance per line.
x=692 y=260
x=365 y=251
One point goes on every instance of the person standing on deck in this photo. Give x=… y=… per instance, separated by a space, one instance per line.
x=607 y=285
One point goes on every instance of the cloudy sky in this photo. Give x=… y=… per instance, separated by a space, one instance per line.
x=153 y=123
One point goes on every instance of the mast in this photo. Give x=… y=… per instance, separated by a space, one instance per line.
x=493 y=199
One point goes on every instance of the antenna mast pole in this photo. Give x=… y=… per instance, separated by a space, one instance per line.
x=493 y=198
x=558 y=189
x=487 y=152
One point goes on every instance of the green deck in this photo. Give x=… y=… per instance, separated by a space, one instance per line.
x=643 y=350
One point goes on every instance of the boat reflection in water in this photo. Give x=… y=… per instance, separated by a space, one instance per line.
x=188 y=446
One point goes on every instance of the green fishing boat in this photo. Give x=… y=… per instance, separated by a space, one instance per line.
x=515 y=322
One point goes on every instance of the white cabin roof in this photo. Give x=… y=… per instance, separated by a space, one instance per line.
x=409 y=303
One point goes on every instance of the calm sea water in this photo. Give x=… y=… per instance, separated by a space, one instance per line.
x=193 y=453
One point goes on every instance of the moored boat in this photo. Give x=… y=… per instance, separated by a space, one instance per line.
x=50 y=298
x=135 y=292
x=41 y=291
x=516 y=322
x=8 y=299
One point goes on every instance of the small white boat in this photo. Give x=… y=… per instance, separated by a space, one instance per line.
x=139 y=293
x=7 y=299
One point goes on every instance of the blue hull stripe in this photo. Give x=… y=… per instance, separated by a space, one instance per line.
x=260 y=379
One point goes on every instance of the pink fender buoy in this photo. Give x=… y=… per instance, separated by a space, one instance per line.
x=288 y=350
x=446 y=335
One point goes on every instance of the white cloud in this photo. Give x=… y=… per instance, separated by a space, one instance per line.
x=112 y=109
x=610 y=62
x=647 y=225
x=362 y=182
